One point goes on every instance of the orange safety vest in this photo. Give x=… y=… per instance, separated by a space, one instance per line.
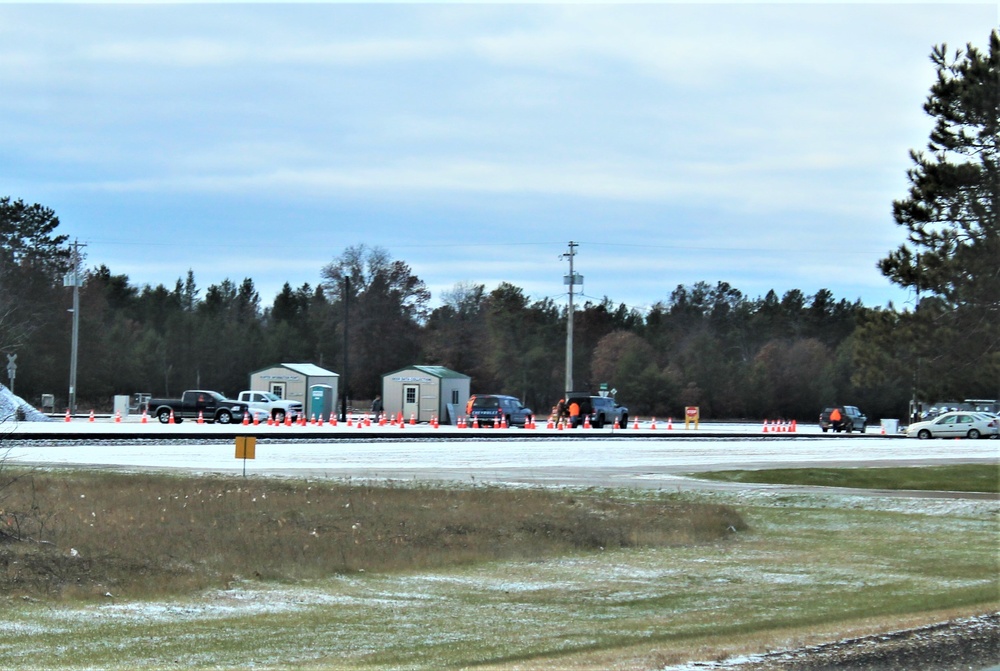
x=835 y=415
x=574 y=409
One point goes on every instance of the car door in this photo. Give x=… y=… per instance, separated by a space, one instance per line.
x=947 y=426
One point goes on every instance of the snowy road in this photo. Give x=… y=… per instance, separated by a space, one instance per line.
x=637 y=459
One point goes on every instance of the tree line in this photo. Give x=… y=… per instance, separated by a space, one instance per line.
x=705 y=344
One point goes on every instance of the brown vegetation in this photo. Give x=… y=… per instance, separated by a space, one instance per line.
x=69 y=535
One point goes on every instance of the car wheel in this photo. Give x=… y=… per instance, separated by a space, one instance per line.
x=598 y=422
x=848 y=428
x=923 y=434
x=163 y=416
x=825 y=429
x=224 y=417
x=974 y=434
x=279 y=416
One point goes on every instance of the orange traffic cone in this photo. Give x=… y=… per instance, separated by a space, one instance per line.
x=551 y=423
x=586 y=421
x=333 y=419
x=256 y=419
x=171 y=420
x=68 y=419
x=765 y=426
x=246 y=418
x=670 y=423
x=616 y=426
x=201 y=417
x=795 y=426
x=636 y=425
x=475 y=422
x=118 y=417
x=413 y=419
x=653 y=424
x=91 y=416
x=145 y=418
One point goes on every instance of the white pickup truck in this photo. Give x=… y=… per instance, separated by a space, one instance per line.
x=278 y=408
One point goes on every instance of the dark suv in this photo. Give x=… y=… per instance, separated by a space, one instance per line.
x=602 y=410
x=491 y=409
x=850 y=419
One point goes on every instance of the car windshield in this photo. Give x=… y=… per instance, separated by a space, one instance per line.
x=486 y=402
x=271 y=397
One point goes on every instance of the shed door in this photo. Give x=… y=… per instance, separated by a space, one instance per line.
x=411 y=401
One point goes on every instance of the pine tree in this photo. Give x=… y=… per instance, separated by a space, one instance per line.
x=952 y=217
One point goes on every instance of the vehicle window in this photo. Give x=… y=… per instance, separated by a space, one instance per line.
x=486 y=402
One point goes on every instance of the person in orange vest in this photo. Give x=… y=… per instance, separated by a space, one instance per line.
x=835 y=418
x=574 y=415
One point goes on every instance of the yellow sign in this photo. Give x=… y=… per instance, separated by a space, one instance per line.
x=691 y=414
x=245 y=447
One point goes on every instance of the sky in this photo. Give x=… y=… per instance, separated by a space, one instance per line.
x=756 y=144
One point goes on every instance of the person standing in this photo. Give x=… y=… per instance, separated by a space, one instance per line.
x=574 y=415
x=377 y=406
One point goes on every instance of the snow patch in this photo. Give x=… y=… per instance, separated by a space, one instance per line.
x=13 y=408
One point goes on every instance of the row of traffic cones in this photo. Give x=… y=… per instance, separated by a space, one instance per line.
x=780 y=426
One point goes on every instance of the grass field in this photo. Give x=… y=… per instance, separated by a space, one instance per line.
x=583 y=579
x=952 y=478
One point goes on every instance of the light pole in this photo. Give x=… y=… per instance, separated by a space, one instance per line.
x=73 y=280
x=571 y=280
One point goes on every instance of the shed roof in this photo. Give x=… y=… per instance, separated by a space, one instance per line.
x=307 y=369
x=435 y=371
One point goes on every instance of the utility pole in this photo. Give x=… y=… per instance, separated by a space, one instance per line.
x=571 y=280
x=74 y=280
x=343 y=392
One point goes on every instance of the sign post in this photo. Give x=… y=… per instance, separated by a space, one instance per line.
x=691 y=415
x=246 y=448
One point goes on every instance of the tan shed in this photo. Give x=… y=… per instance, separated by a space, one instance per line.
x=294 y=382
x=425 y=392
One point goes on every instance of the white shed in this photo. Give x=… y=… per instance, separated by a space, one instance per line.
x=294 y=381
x=425 y=392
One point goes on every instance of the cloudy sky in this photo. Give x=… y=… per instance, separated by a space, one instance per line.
x=756 y=144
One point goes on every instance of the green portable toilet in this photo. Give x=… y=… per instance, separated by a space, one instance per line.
x=321 y=400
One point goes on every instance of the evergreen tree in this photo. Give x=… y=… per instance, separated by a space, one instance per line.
x=952 y=218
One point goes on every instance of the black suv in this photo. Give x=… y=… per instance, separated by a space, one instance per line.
x=602 y=410
x=850 y=419
x=490 y=409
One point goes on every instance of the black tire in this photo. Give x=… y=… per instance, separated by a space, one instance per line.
x=825 y=429
x=923 y=434
x=974 y=434
x=224 y=417
x=598 y=422
x=624 y=422
x=278 y=415
x=163 y=414
x=848 y=428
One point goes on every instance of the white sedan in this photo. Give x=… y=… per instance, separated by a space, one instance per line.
x=956 y=425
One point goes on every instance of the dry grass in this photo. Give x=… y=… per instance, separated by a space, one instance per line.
x=82 y=534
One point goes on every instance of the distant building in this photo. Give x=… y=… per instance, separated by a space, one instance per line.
x=295 y=381
x=424 y=392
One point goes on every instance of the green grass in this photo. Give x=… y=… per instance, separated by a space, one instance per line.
x=957 y=478
x=801 y=568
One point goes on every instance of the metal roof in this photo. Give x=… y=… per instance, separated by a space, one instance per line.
x=434 y=371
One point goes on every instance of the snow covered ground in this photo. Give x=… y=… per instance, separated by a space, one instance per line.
x=517 y=456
